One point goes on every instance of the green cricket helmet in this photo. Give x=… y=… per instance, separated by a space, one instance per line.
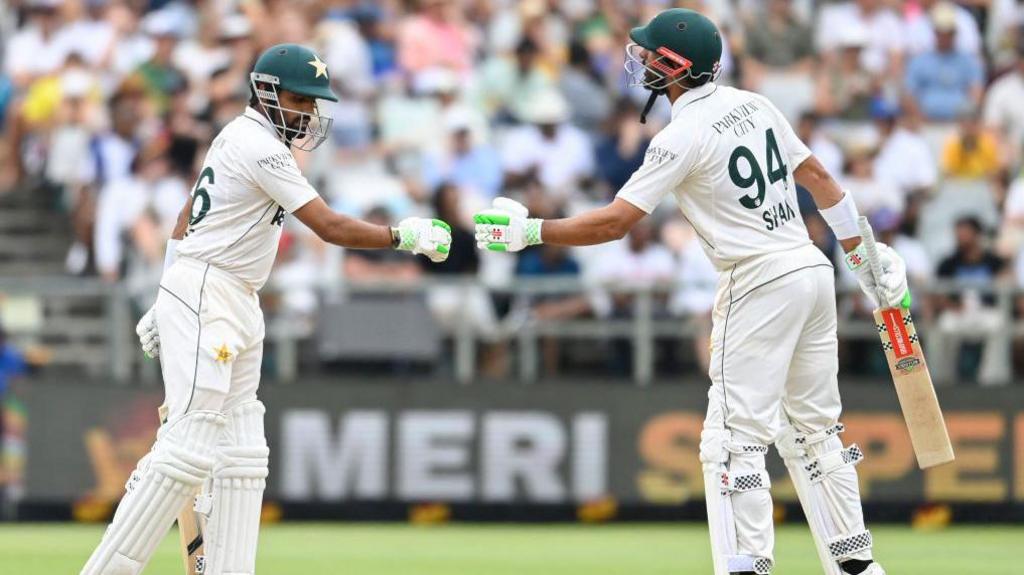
x=299 y=70
x=688 y=46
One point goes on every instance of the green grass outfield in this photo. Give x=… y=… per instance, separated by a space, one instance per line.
x=460 y=549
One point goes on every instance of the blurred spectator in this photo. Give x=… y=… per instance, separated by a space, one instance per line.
x=846 y=89
x=542 y=21
x=887 y=225
x=781 y=42
x=549 y=261
x=1011 y=233
x=972 y=152
x=970 y=314
x=547 y=149
x=638 y=262
x=136 y=210
x=904 y=159
x=581 y=85
x=698 y=279
x=436 y=37
x=870 y=193
x=943 y=82
x=468 y=302
x=779 y=59
x=621 y=150
x=875 y=22
x=160 y=77
x=921 y=32
x=824 y=148
x=1004 y=109
x=12 y=366
x=35 y=49
x=114 y=149
x=507 y=81
x=475 y=169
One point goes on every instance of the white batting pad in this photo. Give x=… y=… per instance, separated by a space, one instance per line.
x=826 y=483
x=161 y=484
x=739 y=504
x=239 y=478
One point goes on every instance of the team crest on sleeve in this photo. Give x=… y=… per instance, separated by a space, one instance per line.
x=278 y=161
x=657 y=156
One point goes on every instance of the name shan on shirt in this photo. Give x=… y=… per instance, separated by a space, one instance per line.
x=738 y=119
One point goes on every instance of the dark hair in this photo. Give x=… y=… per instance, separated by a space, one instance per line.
x=971 y=221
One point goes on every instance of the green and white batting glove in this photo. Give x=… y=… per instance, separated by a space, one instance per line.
x=432 y=238
x=505 y=227
x=891 y=285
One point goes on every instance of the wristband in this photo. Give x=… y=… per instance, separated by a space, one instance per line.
x=842 y=218
x=396 y=238
x=531 y=231
x=171 y=252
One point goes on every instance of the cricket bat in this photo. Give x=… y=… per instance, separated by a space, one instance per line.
x=910 y=375
x=190 y=529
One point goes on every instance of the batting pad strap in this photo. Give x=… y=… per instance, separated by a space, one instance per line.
x=820 y=435
x=829 y=462
x=742 y=448
x=843 y=547
x=749 y=563
x=739 y=482
x=842 y=217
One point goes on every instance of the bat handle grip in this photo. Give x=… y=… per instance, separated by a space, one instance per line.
x=867 y=235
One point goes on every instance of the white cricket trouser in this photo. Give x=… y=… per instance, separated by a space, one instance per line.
x=773 y=371
x=211 y=338
x=774 y=345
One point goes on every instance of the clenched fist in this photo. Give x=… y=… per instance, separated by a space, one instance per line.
x=432 y=238
x=505 y=227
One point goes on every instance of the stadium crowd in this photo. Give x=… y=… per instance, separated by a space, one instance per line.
x=917 y=106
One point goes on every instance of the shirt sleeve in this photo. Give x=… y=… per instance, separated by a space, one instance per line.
x=667 y=162
x=277 y=174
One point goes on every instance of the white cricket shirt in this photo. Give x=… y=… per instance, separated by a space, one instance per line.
x=248 y=183
x=728 y=157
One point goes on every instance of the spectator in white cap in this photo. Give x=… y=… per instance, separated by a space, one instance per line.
x=921 y=33
x=845 y=89
x=943 y=82
x=547 y=149
x=222 y=43
x=883 y=47
x=35 y=49
x=159 y=74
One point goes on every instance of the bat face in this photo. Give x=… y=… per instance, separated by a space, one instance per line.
x=914 y=387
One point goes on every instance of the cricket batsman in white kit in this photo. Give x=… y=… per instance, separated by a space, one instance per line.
x=207 y=327
x=732 y=162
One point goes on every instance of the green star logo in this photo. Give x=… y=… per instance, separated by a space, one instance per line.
x=321 y=68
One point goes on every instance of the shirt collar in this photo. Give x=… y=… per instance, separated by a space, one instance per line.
x=692 y=96
x=260 y=119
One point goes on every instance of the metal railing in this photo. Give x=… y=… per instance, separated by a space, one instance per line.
x=114 y=350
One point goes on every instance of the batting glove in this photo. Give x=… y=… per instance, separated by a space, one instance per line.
x=432 y=238
x=148 y=336
x=505 y=227
x=891 y=286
